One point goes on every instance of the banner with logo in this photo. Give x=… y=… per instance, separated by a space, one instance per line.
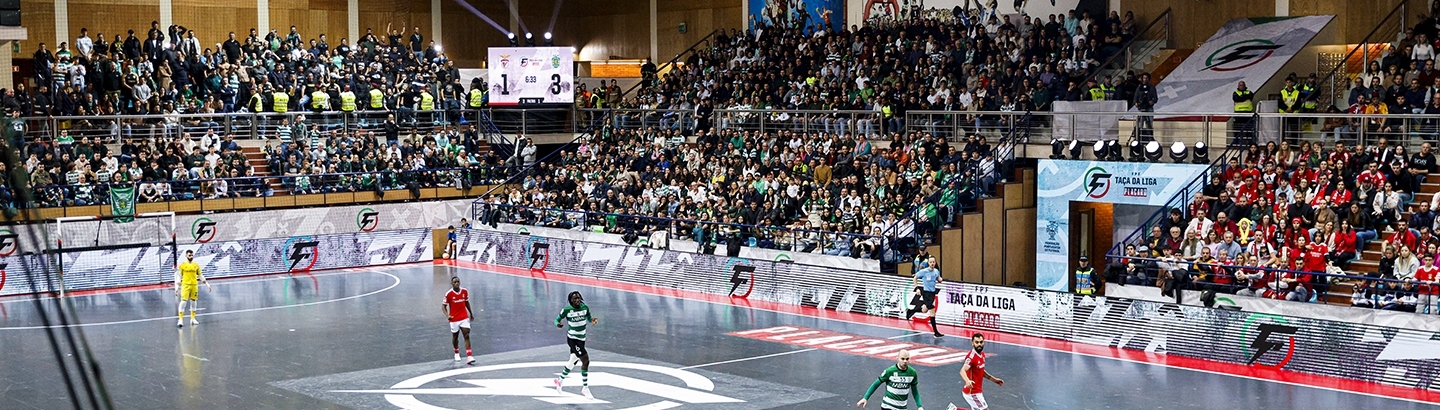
x=1266 y=341
x=155 y=264
x=122 y=203
x=1250 y=50
x=1061 y=181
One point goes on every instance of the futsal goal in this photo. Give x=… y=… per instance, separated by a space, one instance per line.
x=109 y=251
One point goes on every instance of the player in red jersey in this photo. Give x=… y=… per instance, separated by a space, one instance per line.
x=974 y=374
x=457 y=308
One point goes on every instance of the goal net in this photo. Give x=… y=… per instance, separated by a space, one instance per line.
x=97 y=251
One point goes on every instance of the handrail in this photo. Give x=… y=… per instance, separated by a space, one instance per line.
x=589 y=131
x=1231 y=268
x=1399 y=8
x=672 y=61
x=263 y=180
x=1165 y=15
x=742 y=226
x=1197 y=183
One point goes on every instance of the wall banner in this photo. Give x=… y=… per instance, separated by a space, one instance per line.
x=155 y=264
x=1062 y=181
x=1348 y=350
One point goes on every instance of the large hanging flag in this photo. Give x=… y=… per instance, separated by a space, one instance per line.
x=122 y=203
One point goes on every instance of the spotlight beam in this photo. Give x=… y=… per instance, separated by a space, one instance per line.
x=554 y=15
x=482 y=16
x=516 y=13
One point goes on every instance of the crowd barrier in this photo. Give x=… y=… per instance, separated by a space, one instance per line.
x=96 y=269
x=1348 y=350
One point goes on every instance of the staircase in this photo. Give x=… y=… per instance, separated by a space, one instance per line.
x=1164 y=67
x=1369 y=255
x=255 y=157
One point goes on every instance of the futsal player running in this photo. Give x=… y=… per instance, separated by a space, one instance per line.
x=901 y=381
x=974 y=374
x=187 y=286
x=929 y=278
x=577 y=316
x=457 y=308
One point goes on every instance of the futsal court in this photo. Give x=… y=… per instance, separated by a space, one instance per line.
x=375 y=338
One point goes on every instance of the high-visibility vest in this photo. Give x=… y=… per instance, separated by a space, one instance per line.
x=1097 y=94
x=257 y=103
x=319 y=100
x=1249 y=104
x=1109 y=91
x=1289 y=98
x=1083 y=277
x=1308 y=91
x=282 y=102
x=427 y=101
x=377 y=98
x=477 y=97
x=347 y=101
x=886 y=111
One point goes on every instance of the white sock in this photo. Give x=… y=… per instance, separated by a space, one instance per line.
x=182 y=309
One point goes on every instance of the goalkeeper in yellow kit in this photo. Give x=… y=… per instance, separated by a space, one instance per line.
x=187 y=285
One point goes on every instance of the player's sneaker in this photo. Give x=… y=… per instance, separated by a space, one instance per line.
x=457 y=357
x=952 y=407
x=469 y=359
x=586 y=391
x=557 y=386
x=938 y=334
x=194 y=322
x=180 y=323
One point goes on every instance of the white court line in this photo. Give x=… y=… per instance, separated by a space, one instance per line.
x=1289 y=383
x=320 y=302
x=216 y=282
x=746 y=359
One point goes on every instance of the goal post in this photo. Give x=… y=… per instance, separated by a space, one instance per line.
x=91 y=240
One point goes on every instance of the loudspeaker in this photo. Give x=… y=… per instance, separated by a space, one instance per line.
x=10 y=18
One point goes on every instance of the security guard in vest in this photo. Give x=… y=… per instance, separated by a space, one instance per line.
x=1308 y=95
x=257 y=100
x=1290 y=104
x=477 y=97
x=280 y=101
x=347 y=100
x=1244 y=112
x=1085 y=278
x=1108 y=86
x=377 y=98
x=319 y=100
x=1094 y=92
x=427 y=103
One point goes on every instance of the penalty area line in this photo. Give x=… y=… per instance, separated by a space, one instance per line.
x=746 y=359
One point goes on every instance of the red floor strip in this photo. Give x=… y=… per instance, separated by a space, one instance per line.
x=1221 y=368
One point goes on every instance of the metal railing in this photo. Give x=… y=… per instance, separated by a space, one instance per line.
x=1180 y=201
x=678 y=56
x=706 y=233
x=1376 y=292
x=1385 y=32
x=258 y=186
x=1143 y=45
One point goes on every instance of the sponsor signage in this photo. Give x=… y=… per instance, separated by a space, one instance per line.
x=1062 y=181
x=1354 y=351
x=877 y=347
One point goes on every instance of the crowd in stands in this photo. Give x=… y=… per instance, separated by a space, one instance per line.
x=957 y=63
x=171 y=76
x=1283 y=221
x=783 y=190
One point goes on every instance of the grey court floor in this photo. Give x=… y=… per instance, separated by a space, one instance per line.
x=376 y=338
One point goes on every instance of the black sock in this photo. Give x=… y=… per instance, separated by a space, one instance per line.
x=932 y=323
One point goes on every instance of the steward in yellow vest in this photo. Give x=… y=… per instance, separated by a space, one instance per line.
x=377 y=98
x=347 y=100
x=281 y=102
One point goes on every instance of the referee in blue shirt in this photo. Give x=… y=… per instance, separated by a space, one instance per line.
x=928 y=277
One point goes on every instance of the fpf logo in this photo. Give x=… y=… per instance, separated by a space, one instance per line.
x=1240 y=54
x=302 y=250
x=741 y=275
x=1052 y=228
x=1097 y=182
x=367 y=219
x=202 y=230
x=9 y=242
x=1264 y=341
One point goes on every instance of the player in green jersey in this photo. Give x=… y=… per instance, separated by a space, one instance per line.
x=901 y=381
x=578 y=317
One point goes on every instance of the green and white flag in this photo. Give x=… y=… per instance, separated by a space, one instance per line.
x=122 y=203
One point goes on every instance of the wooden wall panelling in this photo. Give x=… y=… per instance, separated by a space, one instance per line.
x=972 y=263
x=38 y=18
x=950 y=254
x=994 y=241
x=466 y=36
x=1020 y=245
x=1027 y=177
x=1014 y=194
x=107 y=17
